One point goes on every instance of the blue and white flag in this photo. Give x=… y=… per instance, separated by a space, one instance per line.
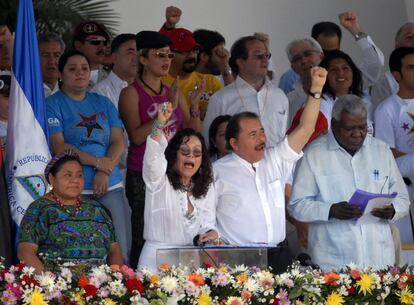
x=27 y=134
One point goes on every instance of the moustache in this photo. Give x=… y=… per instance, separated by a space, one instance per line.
x=190 y=61
x=260 y=146
x=100 y=53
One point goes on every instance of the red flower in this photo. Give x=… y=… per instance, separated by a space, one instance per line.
x=29 y=280
x=134 y=284
x=20 y=266
x=275 y=301
x=83 y=281
x=90 y=290
x=351 y=290
x=355 y=274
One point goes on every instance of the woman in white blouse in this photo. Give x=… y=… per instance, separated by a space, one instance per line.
x=179 y=195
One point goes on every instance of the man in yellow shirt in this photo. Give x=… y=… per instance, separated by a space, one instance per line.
x=185 y=50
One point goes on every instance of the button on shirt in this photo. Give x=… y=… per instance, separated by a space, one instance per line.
x=318 y=184
x=110 y=87
x=251 y=203
x=269 y=103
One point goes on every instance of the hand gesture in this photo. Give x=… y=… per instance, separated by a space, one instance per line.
x=196 y=94
x=263 y=37
x=172 y=16
x=344 y=211
x=222 y=55
x=100 y=184
x=165 y=111
x=105 y=165
x=387 y=212
x=349 y=20
x=211 y=237
x=318 y=78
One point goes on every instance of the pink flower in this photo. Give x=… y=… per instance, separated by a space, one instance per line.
x=246 y=294
x=15 y=289
x=128 y=272
x=8 y=298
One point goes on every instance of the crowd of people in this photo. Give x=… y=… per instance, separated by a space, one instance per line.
x=162 y=139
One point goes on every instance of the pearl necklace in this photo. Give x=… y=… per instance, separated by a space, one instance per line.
x=78 y=207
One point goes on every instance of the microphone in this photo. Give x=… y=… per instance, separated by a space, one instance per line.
x=306 y=261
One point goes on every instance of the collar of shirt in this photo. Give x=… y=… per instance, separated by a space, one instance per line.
x=241 y=83
x=251 y=166
x=49 y=91
x=116 y=81
x=334 y=145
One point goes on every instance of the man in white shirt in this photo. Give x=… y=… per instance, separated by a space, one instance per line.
x=124 y=70
x=372 y=57
x=92 y=38
x=333 y=168
x=394 y=122
x=250 y=180
x=387 y=85
x=51 y=47
x=251 y=91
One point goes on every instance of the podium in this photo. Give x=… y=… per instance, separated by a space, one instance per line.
x=195 y=257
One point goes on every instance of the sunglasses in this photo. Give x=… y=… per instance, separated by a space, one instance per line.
x=97 y=42
x=185 y=151
x=164 y=55
x=196 y=51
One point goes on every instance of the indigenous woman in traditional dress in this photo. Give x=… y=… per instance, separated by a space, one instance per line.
x=61 y=227
x=138 y=104
x=89 y=124
x=179 y=196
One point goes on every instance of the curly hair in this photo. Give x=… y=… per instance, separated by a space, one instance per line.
x=203 y=178
x=356 y=86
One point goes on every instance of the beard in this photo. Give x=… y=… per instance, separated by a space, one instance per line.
x=189 y=65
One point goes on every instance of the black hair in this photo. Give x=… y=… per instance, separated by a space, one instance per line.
x=203 y=178
x=65 y=57
x=208 y=40
x=396 y=57
x=233 y=127
x=326 y=28
x=356 y=86
x=239 y=50
x=121 y=39
x=212 y=132
x=57 y=166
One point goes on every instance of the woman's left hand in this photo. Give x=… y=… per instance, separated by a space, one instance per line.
x=100 y=184
x=211 y=236
x=197 y=94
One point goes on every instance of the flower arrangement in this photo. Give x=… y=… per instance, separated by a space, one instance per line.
x=104 y=285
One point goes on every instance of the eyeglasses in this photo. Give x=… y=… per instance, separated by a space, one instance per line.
x=262 y=56
x=305 y=54
x=185 y=151
x=164 y=55
x=97 y=42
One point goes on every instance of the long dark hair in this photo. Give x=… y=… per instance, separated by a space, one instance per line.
x=356 y=86
x=203 y=177
x=212 y=132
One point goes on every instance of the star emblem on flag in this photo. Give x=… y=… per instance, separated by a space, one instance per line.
x=411 y=115
x=405 y=126
x=89 y=122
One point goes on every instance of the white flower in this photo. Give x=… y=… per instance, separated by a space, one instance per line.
x=251 y=285
x=117 y=288
x=169 y=283
x=240 y=268
x=46 y=280
x=61 y=284
x=103 y=292
x=138 y=300
x=118 y=275
x=172 y=300
x=28 y=270
x=9 y=277
x=66 y=273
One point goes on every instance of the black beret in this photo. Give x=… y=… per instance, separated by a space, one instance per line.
x=151 y=40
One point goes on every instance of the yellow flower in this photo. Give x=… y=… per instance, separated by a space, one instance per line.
x=109 y=301
x=407 y=297
x=335 y=299
x=36 y=298
x=241 y=278
x=79 y=298
x=365 y=283
x=154 y=279
x=223 y=269
x=204 y=299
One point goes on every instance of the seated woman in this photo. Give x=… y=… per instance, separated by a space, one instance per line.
x=61 y=225
x=89 y=124
x=216 y=137
x=179 y=195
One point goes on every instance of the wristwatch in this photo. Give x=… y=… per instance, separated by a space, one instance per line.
x=360 y=35
x=316 y=95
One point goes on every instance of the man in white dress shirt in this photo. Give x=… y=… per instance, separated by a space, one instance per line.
x=124 y=70
x=251 y=91
x=250 y=180
x=51 y=47
x=394 y=125
x=333 y=168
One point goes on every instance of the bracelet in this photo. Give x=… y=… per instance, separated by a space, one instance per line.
x=158 y=124
x=195 y=113
x=98 y=162
x=156 y=128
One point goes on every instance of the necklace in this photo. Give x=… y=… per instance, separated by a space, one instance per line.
x=258 y=106
x=187 y=188
x=64 y=207
x=149 y=87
